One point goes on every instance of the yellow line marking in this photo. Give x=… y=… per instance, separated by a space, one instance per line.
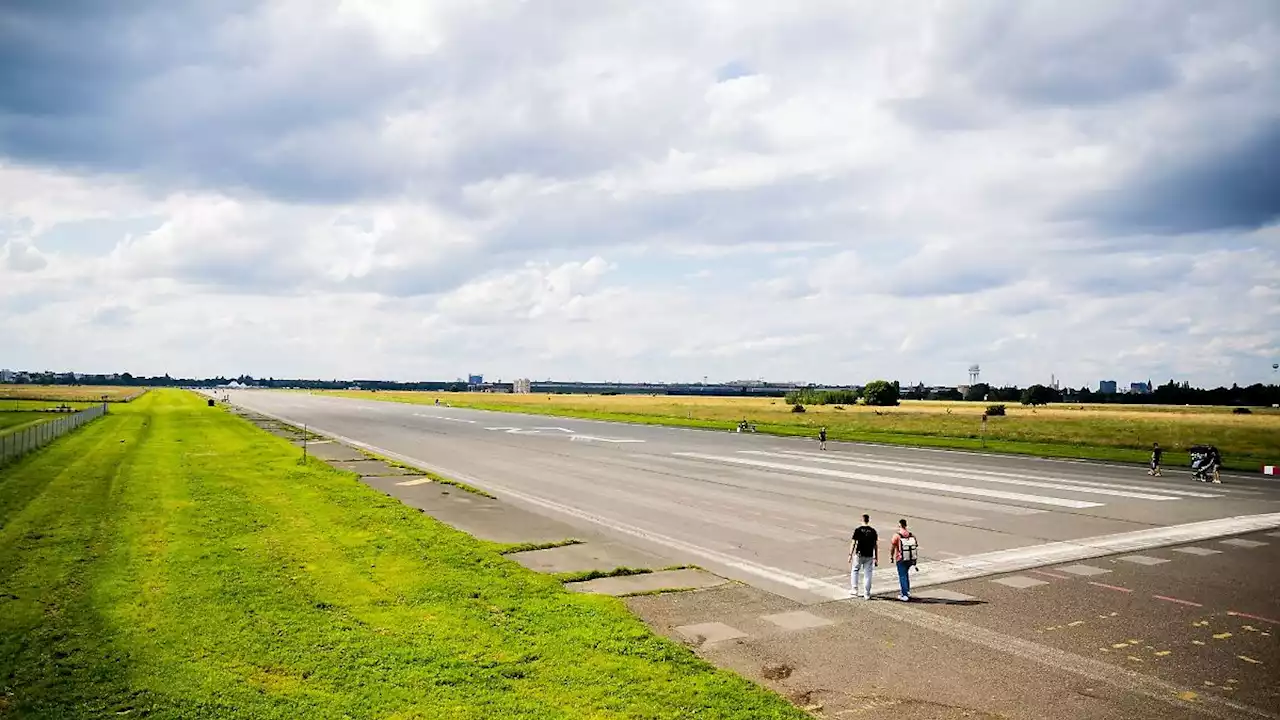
x=1222 y=636
x=1120 y=646
x=1197 y=642
x=1249 y=659
x=1187 y=696
x=1135 y=659
x=1162 y=653
x=1074 y=624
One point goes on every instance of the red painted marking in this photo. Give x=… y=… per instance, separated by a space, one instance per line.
x=1052 y=575
x=1110 y=587
x=1253 y=617
x=1176 y=600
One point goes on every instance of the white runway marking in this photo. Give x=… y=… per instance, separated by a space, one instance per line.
x=442 y=417
x=899 y=482
x=991 y=477
x=411 y=483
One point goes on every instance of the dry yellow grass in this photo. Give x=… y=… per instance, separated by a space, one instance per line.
x=1115 y=432
x=69 y=393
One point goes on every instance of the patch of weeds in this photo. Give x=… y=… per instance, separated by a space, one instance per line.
x=530 y=546
x=681 y=567
x=659 y=591
x=585 y=575
x=460 y=485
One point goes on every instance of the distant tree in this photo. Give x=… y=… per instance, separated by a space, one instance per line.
x=977 y=392
x=881 y=393
x=1039 y=395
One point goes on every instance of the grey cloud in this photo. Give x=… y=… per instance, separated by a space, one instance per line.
x=112 y=315
x=1213 y=188
x=1080 y=54
x=1053 y=54
x=193 y=95
x=21 y=256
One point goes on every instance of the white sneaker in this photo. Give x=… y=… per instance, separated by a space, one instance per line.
x=903 y=598
x=866 y=596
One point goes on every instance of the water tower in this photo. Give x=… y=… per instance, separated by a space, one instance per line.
x=974 y=371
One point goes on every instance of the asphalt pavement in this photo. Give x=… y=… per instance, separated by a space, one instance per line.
x=777 y=512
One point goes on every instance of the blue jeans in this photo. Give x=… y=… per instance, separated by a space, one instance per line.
x=904 y=581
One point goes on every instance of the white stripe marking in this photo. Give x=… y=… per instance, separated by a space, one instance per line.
x=918 y=484
x=1020 y=476
x=1003 y=478
x=441 y=417
x=411 y=483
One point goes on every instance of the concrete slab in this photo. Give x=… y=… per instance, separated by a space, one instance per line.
x=709 y=633
x=649 y=582
x=1143 y=560
x=371 y=468
x=1242 y=543
x=334 y=451
x=941 y=595
x=1197 y=551
x=1020 y=582
x=797 y=620
x=587 y=556
x=1083 y=570
x=482 y=517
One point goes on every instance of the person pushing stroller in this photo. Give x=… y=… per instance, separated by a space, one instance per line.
x=1206 y=463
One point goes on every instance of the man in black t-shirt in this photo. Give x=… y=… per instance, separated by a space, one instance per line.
x=864 y=554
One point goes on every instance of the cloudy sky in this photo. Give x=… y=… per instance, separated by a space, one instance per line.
x=658 y=190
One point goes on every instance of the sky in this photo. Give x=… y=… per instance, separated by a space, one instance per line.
x=662 y=191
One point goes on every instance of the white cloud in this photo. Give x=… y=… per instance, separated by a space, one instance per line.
x=655 y=191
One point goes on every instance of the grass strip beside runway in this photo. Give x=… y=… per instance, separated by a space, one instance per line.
x=1117 y=433
x=173 y=561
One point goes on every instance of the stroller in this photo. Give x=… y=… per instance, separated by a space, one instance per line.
x=1205 y=463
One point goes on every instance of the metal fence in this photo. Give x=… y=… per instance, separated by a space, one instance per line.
x=20 y=442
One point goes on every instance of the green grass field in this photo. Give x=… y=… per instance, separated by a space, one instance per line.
x=13 y=421
x=172 y=561
x=1121 y=433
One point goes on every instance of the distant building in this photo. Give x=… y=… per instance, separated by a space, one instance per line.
x=1107 y=387
x=6 y=376
x=475 y=379
x=1140 y=388
x=522 y=386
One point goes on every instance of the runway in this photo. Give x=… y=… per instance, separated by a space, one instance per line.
x=777 y=512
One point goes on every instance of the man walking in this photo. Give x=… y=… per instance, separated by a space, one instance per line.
x=1156 y=454
x=822 y=438
x=904 y=549
x=864 y=554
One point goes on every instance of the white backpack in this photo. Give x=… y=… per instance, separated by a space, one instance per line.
x=908 y=545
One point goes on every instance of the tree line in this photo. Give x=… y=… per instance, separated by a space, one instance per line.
x=1171 y=393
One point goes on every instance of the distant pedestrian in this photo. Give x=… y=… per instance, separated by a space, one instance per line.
x=1156 y=455
x=822 y=439
x=864 y=555
x=905 y=549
